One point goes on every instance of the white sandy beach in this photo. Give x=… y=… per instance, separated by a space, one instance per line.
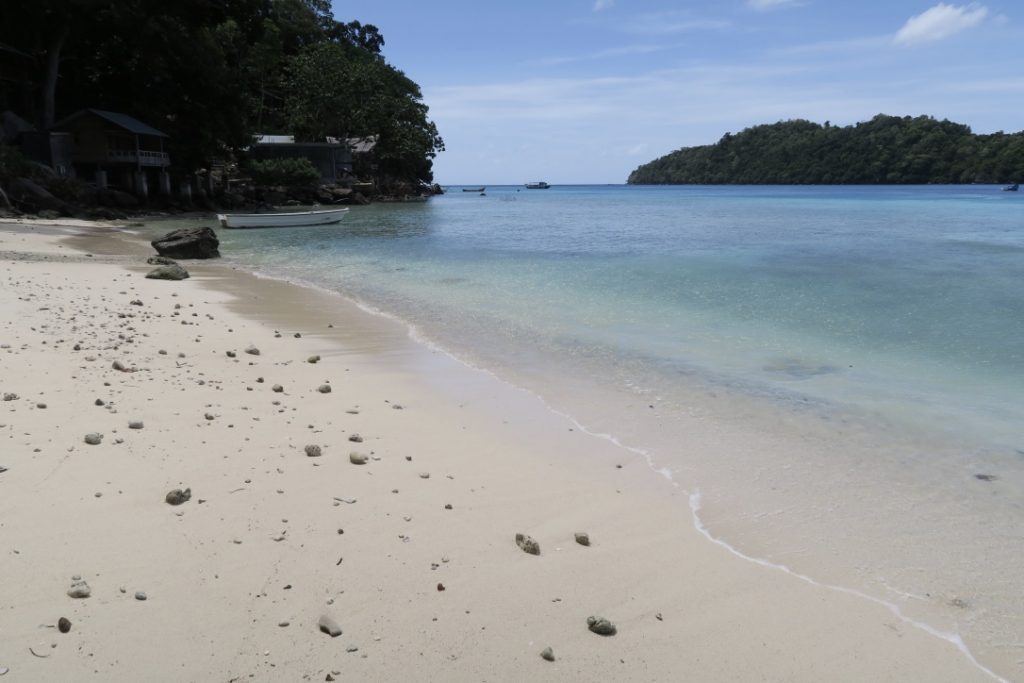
x=237 y=578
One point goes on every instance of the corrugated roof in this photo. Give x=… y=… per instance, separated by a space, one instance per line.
x=129 y=123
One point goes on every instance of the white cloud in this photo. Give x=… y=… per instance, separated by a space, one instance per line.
x=940 y=22
x=602 y=4
x=771 y=4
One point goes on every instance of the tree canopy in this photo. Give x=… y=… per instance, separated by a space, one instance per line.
x=213 y=73
x=884 y=150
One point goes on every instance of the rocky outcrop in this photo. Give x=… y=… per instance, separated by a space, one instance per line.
x=188 y=243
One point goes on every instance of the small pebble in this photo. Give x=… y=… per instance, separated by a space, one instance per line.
x=135 y=424
x=547 y=654
x=358 y=458
x=527 y=544
x=324 y=388
x=313 y=451
x=252 y=350
x=63 y=624
x=583 y=538
x=94 y=438
x=329 y=626
x=601 y=626
x=139 y=595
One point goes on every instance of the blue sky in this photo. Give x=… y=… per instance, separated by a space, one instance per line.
x=583 y=91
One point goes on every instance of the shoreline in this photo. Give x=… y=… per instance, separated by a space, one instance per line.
x=540 y=477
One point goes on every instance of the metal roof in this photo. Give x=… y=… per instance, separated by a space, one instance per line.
x=129 y=123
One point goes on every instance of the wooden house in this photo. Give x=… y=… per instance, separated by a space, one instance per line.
x=118 y=150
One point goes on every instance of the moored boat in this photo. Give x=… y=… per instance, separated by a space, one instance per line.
x=281 y=220
x=1012 y=188
x=473 y=189
x=539 y=185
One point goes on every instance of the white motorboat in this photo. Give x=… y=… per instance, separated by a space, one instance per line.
x=281 y=220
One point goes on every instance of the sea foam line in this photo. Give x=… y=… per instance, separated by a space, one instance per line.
x=952 y=638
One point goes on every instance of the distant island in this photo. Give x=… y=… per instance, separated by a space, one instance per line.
x=884 y=150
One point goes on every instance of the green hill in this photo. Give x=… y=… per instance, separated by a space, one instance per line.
x=884 y=150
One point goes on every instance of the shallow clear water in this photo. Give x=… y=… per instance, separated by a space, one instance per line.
x=906 y=299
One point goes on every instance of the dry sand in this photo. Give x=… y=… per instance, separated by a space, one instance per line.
x=237 y=577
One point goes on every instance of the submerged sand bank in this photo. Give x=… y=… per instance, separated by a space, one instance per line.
x=237 y=577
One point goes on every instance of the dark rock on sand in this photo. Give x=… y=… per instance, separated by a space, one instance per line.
x=135 y=424
x=161 y=261
x=528 y=544
x=188 y=243
x=601 y=626
x=547 y=654
x=582 y=538
x=63 y=624
x=313 y=451
x=93 y=438
x=329 y=626
x=174 y=272
x=324 y=388
x=177 y=496
x=252 y=350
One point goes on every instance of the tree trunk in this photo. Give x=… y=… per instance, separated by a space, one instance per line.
x=52 y=71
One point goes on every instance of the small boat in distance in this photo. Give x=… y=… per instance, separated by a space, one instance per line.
x=1012 y=188
x=539 y=185
x=473 y=189
x=281 y=220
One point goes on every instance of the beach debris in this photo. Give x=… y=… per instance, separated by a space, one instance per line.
x=348 y=501
x=2 y=469
x=140 y=595
x=424 y=475
x=230 y=354
x=355 y=438
x=440 y=587
x=135 y=424
x=63 y=624
x=329 y=626
x=3 y=670
x=601 y=626
x=252 y=350
x=985 y=477
x=36 y=654
x=313 y=451
x=297 y=335
x=93 y=438
x=79 y=589
x=313 y=359
x=188 y=243
x=120 y=367
x=10 y=397
x=659 y=617
x=99 y=402
x=547 y=654
x=177 y=496
x=583 y=538
x=161 y=261
x=448 y=506
x=277 y=388
x=173 y=272
x=357 y=458
x=527 y=544
x=324 y=388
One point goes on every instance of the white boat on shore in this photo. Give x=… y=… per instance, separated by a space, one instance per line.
x=281 y=220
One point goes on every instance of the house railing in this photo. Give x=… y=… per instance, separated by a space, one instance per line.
x=144 y=157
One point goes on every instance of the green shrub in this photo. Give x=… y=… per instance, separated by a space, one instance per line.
x=287 y=172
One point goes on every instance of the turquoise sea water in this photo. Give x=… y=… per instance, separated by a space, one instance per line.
x=908 y=300
x=838 y=371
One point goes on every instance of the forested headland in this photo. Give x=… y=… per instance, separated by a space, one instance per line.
x=884 y=150
x=211 y=74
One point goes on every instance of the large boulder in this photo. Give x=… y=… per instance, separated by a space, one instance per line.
x=188 y=243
